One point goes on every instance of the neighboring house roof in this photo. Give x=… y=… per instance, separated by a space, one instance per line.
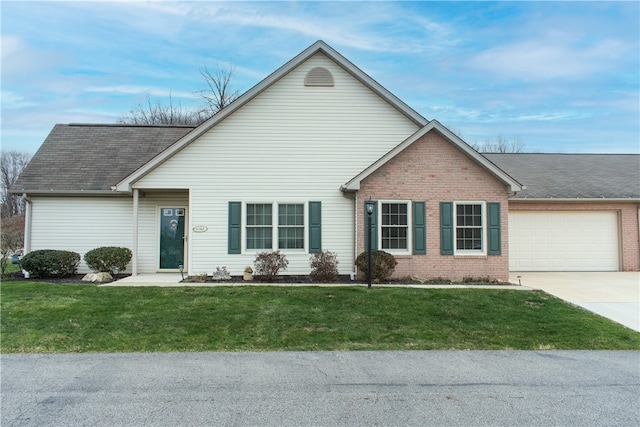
x=573 y=176
x=354 y=184
x=89 y=158
x=317 y=47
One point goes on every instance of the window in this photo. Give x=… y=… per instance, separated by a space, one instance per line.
x=291 y=226
x=469 y=228
x=262 y=224
x=394 y=225
x=259 y=226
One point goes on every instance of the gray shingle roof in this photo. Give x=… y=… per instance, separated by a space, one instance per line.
x=96 y=157
x=611 y=176
x=93 y=157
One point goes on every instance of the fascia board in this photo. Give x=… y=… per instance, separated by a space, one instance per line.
x=70 y=193
x=575 y=199
x=319 y=46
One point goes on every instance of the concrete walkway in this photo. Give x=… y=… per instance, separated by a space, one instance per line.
x=614 y=295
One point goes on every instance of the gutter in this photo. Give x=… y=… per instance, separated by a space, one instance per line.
x=576 y=199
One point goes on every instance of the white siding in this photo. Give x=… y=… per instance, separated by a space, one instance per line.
x=80 y=224
x=290 y=144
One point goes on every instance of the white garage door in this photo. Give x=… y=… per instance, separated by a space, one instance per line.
x=563 y=241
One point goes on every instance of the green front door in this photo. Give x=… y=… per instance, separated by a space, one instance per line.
x=172 y=238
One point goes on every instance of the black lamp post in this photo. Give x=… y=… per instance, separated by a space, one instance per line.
x=369 y=206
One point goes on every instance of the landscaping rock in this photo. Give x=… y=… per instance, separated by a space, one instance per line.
x=97 y=277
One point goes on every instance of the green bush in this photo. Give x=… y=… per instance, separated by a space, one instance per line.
x=102 y=260
x=51 y=263
x=324 y=267
x=382 y=265
x=269 y=264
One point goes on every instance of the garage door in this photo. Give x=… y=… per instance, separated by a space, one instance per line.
x=563 y=241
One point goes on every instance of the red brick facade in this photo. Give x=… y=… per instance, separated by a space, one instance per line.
x=433 y=170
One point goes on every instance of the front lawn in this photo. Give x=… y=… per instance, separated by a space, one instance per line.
x=46 y=318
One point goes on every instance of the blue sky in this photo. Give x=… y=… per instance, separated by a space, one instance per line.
x=560 y=76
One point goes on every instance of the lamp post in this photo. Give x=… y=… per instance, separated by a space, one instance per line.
x=369 y=206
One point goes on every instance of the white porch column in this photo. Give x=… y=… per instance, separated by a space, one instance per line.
x=134 y=250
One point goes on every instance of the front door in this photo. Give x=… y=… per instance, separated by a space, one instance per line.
x=172 y=238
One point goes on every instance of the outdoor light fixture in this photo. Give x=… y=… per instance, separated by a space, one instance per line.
x=115 y=270
x=181 y=268
x=369 y=204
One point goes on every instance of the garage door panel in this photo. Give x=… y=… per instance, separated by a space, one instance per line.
x=563 y=241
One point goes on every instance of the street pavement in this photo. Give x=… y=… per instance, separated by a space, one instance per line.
x=421 y=388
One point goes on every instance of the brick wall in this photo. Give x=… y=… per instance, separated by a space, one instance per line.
x=628 y=220
x=433 y=170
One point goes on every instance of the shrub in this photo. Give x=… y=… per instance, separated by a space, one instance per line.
x=324 y=266
x=269 y=264
x=382 y=265
x=102 y=260
x=51 y=263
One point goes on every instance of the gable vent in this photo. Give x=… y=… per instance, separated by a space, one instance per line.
x=318 y=76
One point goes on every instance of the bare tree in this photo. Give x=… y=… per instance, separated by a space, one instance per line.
x=156 y=113
x=11 y=239
x=219 y=93
x=12 y=163
x=217 y=96
x=501 y=144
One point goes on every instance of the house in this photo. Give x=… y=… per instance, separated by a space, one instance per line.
x=289 y=166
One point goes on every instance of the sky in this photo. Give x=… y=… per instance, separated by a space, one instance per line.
x=558 y=76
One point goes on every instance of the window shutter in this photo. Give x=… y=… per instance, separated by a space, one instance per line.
x=374 y=228
x=446 y=228
x=494 y=228
x=235 y=224
x=419 y=228
x=315 y=227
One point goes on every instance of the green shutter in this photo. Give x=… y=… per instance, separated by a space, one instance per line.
x=446 y=228
x=494 y=243
x=315 y=227
x=419 y=228
x=235 y=225
x=374 y=228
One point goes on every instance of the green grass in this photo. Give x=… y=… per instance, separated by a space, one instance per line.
x=46 y=318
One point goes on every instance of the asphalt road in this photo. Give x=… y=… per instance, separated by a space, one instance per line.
x=465 y=388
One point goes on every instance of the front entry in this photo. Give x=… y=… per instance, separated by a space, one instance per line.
x=172 y=238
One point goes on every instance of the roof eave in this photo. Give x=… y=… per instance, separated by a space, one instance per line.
x=513 y=185
x=577 y=199
x=319 y=46
x=44 y=192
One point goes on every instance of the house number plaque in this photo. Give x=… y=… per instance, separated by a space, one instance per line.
x=199 y=229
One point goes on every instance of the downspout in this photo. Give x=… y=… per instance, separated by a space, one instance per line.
x=27 y=224
x=355 y=234
x=134 y=257
x=27 y=228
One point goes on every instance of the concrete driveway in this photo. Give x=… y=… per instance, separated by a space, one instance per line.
x=614 y=295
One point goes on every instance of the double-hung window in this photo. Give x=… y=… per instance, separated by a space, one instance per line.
x=290 y=226
x=259 y=226
x=394 y=226
x=266 y=220
x=470 y=224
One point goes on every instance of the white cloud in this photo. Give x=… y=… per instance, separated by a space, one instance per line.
x=14 y=100
x=544 y=59
x=141 y=90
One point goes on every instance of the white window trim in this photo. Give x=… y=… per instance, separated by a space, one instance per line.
x=275 y=226
x=409 y=227
x=470 y=252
